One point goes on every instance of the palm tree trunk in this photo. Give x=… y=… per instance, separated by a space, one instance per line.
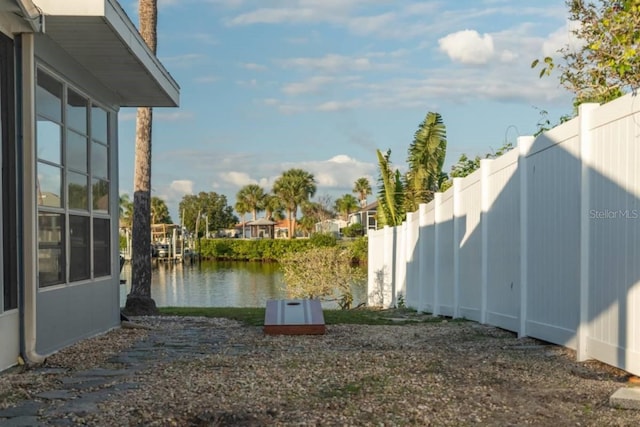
x=139 y=301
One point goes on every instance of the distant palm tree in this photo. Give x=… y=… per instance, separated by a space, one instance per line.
x=159 y=211
x=242 y=210
x=126 y=211
x=139 y=301
x=253 y=198
x=294 y=187
x=425 y=161
x=345 y=205
x=362 y=188
x=273 y=208
x=390 y=193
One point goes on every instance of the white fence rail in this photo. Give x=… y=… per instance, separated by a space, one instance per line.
x=543 y=241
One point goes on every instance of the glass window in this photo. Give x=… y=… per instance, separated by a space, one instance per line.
x=100 y=195
x=49 y=141
x=101 y=247
x=79 y=264
x=76 y=111
x=78 y=191
x=49 y=97
x=74 y=226
x=99 y=120
x=49 y=185
x=51 y=263
x=99 y=160
x=76 y=151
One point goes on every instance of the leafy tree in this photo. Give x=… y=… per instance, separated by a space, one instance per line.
x=139 y=301
x=390 y=193
x=253 y=198
x=159 y=211
x=206 y=208
x=294 y=187
x=346 y=205
x=607 y=63
x=362 y=188
x=426 y=158
x=324 y=272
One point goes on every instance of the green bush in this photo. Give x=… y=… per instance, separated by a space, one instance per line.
x=321 y=240
x=275 y=249
x=354 y=230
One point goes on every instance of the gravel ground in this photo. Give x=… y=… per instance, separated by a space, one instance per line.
x=445 y=373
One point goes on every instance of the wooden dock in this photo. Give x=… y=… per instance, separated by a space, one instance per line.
x=294 y=317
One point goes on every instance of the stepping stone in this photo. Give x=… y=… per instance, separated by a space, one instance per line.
x=56 y=395
x=26 y=421
x=626 y=398
x=27 y=408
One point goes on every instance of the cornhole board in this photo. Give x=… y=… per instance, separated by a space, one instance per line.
x=294 y=317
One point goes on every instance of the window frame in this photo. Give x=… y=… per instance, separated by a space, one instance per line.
x=76 y=249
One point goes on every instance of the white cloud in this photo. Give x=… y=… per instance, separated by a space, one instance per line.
x=331 y=63
x=338 y=105
x=468 y=47
x=239 y=179
x=312 y=85
x=253 y=67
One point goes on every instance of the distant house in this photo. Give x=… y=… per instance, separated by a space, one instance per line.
x=333 y=226
x=281 y=229
x=66 y=69
x=262 y=228
x=366 y=216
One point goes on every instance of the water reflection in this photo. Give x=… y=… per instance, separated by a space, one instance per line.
x=219 y=284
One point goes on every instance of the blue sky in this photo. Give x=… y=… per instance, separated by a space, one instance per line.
x=267 y=85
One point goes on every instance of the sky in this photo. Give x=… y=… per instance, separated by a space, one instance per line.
x=269 y=85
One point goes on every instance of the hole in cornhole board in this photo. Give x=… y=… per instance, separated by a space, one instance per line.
x=294 y=317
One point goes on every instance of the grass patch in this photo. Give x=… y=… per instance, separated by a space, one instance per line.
x=254 y=316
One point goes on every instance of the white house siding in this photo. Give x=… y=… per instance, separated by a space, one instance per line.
x=543 y=241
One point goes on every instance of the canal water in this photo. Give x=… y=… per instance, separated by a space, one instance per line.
x=219 y=284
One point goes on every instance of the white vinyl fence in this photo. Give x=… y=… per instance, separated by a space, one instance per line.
x=543 y=241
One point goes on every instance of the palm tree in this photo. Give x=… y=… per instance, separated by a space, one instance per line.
x=126 y=211
x=294 y=187
x=253 y=197
x=345 y=205
x=390 y=194
x=426 y=158
x=159 y=211
x=139 y=301
x=273 y=209
x=242 y=210
x=362 y=188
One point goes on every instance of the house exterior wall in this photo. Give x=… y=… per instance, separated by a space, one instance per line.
x=68 y=312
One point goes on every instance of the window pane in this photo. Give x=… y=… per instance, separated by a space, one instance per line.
x=51 y=249
x=49 y=141
x=49 y=97
x=99 y=121
x=101 y=247
x=76 y=151
x=78 y=191
x=99 y=161
x=79 y=266
x=49 y=185
x=76 y=111
x=100 y=195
